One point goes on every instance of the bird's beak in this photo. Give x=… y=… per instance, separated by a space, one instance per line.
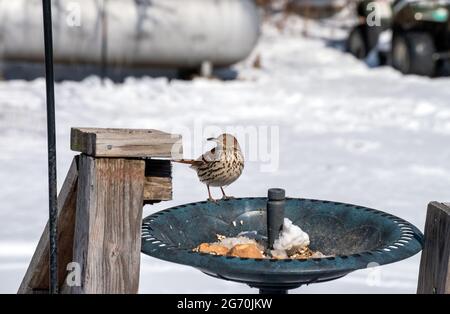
x=211 y=139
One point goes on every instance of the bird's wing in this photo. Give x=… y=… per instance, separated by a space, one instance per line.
x=206 y=158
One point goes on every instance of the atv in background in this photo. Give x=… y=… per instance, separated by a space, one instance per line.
x=421 y=36
x=419 y=30
x=365 y=35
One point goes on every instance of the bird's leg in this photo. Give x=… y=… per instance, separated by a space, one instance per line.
x=225 y=197
x=210 y=198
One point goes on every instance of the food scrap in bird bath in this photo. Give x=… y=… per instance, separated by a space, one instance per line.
x=220 y=237
x=292 y=243
x=232 y=246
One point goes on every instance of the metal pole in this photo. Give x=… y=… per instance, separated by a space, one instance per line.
x=51 y=143
x=273 y=291
x=276 y=202
x=104 y=47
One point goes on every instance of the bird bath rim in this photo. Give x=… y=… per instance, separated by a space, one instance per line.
x=406 y=241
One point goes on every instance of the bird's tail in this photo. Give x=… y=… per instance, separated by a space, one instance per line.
x=185 y=161
x=193 y=163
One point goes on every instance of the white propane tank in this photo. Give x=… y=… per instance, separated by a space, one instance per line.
x=175 y=33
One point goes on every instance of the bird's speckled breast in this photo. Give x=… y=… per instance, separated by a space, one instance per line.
x=222 y=172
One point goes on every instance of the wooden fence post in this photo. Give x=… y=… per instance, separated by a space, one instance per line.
x=434 y=275
x=36 y=279
x=100 y=210
x=108 y=224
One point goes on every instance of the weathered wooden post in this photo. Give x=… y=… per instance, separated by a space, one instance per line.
x=434 y=275
x=100 y=209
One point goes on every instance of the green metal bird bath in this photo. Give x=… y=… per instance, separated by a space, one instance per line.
x=356 y=237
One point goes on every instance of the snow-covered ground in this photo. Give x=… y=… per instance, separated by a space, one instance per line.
x=347 y=133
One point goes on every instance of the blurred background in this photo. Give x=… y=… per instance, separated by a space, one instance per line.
x=359 y=91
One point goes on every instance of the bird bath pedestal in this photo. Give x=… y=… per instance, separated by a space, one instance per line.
x=354 y=237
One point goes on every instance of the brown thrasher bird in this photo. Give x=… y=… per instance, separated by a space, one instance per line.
x=220 y=166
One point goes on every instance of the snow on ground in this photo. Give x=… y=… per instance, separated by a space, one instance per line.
x=347 y=133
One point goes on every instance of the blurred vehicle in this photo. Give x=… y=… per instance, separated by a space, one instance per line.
x=363 y=37
x=419 y=34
